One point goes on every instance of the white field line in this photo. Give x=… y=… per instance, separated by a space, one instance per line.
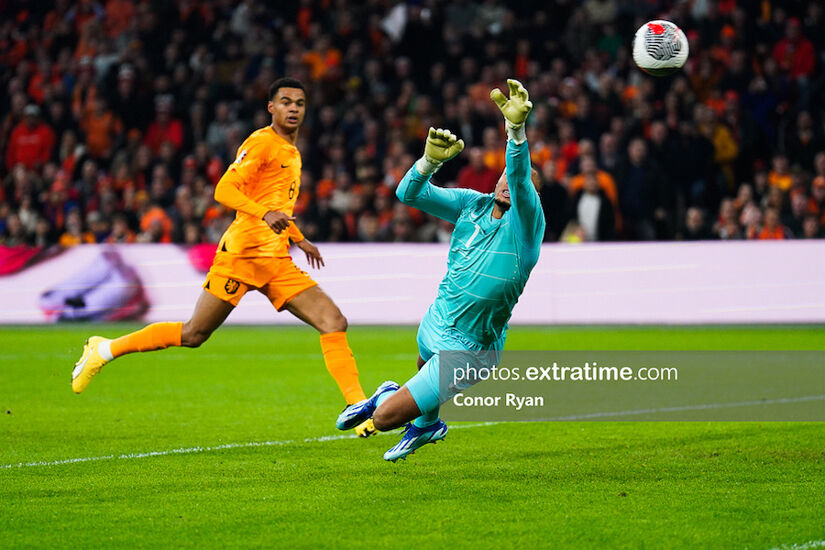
x=323 y=438
x=802 y=546
x=190 y=450
x=707 y=406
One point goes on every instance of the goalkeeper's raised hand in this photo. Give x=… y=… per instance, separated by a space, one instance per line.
x=515 y=109
x=441 y=146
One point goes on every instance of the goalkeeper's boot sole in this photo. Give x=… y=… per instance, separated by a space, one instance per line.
x=360 y=412
x=414 y=438
x=88 y=365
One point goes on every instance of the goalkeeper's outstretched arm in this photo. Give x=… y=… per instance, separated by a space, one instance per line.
x=524 y=200
x=416 y=190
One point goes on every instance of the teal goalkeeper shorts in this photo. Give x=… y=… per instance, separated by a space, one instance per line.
x=433 y=337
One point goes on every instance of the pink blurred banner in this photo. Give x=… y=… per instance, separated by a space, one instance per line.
x=655 y=283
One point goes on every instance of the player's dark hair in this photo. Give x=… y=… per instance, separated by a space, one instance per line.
x=285 y=82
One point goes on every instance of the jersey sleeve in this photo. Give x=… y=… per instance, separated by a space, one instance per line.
x=447 y=204
x=525 y=204
x=294 y=233
x=252 y=156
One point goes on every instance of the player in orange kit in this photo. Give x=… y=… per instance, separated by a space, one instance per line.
x=262 y=186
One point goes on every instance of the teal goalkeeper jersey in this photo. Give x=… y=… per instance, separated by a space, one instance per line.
x=490 y=260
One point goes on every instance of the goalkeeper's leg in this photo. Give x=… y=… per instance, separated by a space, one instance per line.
x=416 y=404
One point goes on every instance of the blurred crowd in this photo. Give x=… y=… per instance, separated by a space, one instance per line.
x=119 y=117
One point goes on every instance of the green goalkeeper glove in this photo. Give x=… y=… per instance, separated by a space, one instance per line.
x=441 y=146
x=515 y=109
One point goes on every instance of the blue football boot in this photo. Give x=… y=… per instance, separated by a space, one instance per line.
x=355 y=414
x=415 y=437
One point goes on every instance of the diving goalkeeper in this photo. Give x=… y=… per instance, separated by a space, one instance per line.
x=494 y=246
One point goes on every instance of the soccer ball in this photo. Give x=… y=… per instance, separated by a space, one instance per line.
x=660 y=48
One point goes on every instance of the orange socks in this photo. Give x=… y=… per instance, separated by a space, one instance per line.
x=150 y=338
x=337 y=353
x=341 y=365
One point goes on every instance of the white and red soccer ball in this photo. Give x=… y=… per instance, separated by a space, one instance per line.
x=660 y=48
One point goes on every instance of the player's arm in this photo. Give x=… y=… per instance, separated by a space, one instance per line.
x=525 y=204
x=415 y=188
x=294 y=233
x=245 y=168
x=314 y=257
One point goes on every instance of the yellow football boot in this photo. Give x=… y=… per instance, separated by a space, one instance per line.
x=88 y=365
x=366 y=428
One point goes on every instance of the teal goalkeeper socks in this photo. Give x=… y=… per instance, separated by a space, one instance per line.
x=383 y=397
x=426 y=419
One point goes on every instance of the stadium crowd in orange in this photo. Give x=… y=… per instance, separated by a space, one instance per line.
x=119 y=117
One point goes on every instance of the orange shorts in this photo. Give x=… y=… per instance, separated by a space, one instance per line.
x=279 y=279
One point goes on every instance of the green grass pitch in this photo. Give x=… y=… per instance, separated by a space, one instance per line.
x=551 y=485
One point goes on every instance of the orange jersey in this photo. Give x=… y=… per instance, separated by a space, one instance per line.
x=266 y=175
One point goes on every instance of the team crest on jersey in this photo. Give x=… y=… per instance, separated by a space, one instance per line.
x=241 y=155
x=231 y=286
